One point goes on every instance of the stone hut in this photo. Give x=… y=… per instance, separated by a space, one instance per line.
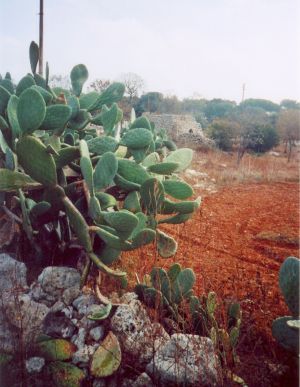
x=183 y=129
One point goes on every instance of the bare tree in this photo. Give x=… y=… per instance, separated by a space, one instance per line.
x=133 y=84
x=100 y=84
x=58 y=80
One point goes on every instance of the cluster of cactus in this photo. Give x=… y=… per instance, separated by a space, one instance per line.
x=286 y=329
x=107 y=187
x=170 y=289
x=225 y=338
x=167 y=288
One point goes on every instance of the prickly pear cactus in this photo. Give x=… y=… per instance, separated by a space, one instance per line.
x=286 y=330
x=111 y=189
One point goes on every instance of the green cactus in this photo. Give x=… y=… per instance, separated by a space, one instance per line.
x=163 y=168
x=25 y=83
x=34 y=56
x=178 y=189
x=4 y=98
x=286 y=330
x=137 y=138
x=87 y=183
x=105 y=170
x=56 y=117
x=112 y=94
x=152 y=195
x=182 y=156
x=31 y=110
x=101 y=145
x=141 y=122
x=79 y=75
x=36 y=161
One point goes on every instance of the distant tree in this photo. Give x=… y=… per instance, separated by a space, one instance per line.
x=149 y=102
x=170 y=104
x=289 y=104
x=58 y=80
x=249 y=130
x=222 y=132
x=217 y=108
x=264 y=104
x=100 y=84
x=133 y=84
x=262 y=138
x=288 y=125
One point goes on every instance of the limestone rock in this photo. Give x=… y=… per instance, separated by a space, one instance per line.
x=12 y=276
x=143 y=380
x=26 y=315
x=97 y=333
x=82 y=303
x=56 y=283
x=35 y=364
x=186 y=360
x=58 y=325
x=84 y=354
x=139 y=338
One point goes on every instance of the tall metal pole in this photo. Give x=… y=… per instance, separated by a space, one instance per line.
x=41 y=40
x=243 y=93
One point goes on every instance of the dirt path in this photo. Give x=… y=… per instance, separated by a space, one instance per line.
x=219 y=244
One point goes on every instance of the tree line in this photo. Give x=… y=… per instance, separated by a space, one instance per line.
x=255 y=125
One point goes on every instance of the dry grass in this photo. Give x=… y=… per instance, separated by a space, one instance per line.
x=222 y=168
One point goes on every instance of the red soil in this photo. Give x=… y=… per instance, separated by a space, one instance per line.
x=219 y=244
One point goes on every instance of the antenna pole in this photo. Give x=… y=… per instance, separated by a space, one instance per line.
x=243 y=94
x=41 y=40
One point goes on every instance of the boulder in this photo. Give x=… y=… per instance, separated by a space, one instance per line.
x=185 y=360
x=27 y=316
x=12 y=276
x=56 y=283
x=139 y=338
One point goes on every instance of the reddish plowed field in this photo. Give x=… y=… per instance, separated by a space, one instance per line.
x=219 y=244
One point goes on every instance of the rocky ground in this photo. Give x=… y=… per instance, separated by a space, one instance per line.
x=51 y=326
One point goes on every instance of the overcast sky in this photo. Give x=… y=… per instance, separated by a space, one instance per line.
x=182 y=47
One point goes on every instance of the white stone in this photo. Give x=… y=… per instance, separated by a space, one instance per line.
x=185 y=360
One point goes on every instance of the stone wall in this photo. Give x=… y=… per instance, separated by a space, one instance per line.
x=181 y=128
